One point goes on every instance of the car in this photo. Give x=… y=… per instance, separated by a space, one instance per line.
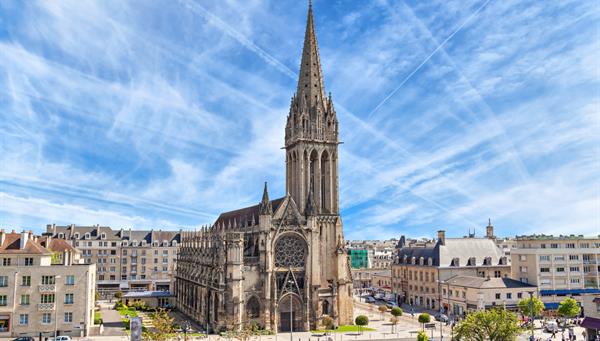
x=440 y=317
x=61 y=338
x=391 y=304
x=371 y=299
x=24 y=338
x=551 y=326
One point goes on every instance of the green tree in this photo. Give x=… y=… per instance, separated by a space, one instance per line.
x=424 y=318
x=422 y=336
x=361 y=321
x=568 y=308
x=525 y=306
x=163 y=326
x=118 y=295
x=396 y=313
x=488 y=325
x=382 y=309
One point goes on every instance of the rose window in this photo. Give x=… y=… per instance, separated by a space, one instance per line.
x=290 y=252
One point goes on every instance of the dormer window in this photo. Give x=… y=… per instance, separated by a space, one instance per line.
x=165 y=243
x=143 y=243
x=76 y=235
x=430 y=261
x=413 y=261
x=487 y=261
x=87 y=236
x=421 y=261
x=471 y=262
x=103 y=236
x=455 y=262
x=124 y=243
x=134 y=243
x=174 y=243
x=503 y=261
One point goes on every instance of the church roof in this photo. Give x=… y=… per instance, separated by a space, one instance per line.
x=245 y=214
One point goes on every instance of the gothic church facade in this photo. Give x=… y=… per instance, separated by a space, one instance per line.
x=280 y=264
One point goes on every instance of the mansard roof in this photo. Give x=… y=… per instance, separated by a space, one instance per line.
x=461 y=248
x=244 y=214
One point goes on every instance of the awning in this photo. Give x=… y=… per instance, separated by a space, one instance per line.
x=551 y=306
x=570 y=292
x=591 y=323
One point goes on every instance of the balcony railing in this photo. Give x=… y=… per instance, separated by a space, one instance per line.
x=46 y=306
x=47 y=287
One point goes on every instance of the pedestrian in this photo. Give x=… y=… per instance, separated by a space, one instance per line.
x=554 y=333
x=584 y=335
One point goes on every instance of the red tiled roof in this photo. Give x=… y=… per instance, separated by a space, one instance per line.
x=12 y=244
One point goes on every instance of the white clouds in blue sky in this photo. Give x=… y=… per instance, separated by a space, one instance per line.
x=165 y=113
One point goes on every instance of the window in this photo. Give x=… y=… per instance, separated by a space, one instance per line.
x=23 y=319
x=559 y=258
x=69 y=298
x=497 y=274
x=523 y=268
x=124 y=252
x=497 y=296
x=543 y=246
x=587 y=268
x=165 y=253
x=554 y=246
x=545 y=258
x=574 y=269
x=47 y=298
x=508 y=296
x=570 y=245
x=519 y=295
x=544 y=269
x=523 y=258
x=70 y=280
x=68 y=317
x=584 y=245
x=3 y=281
x=28 y=261
x=574 y=280
x=165 y=268
x=26 y=281
x=25 y=299
x=48 y=280
x=46 y=318
x=3 y=301
x=560 y=269
x=573 y=257
x=6 y=261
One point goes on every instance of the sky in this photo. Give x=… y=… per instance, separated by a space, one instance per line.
x=162 y=114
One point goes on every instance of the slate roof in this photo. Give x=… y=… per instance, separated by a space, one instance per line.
x=244 y=214
x=113 y=235
x=487 y=283
x=461 y=248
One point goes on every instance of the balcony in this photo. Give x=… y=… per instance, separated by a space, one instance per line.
x=45 y=306
x=47 y=287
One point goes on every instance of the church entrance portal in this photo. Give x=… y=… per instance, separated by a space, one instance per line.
x=296 y=315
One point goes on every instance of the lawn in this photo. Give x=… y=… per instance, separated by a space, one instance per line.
x=127 y=311
x=344 y=329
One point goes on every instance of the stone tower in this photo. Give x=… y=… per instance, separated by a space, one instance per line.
x=311 y=135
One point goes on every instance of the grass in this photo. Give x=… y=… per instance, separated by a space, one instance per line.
x=345 y=329
x=127 y=311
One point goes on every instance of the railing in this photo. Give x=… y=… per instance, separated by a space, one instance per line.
x=46 y=306
x=47 y=287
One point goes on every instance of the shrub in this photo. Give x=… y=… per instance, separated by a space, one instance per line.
x=424 y=318
x=422 y=336
x=327 y=322
x=396 y=311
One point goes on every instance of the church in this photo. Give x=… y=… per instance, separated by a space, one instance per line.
x=282 y=263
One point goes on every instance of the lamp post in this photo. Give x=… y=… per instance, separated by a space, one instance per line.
x=56 y=307
x=531 y=312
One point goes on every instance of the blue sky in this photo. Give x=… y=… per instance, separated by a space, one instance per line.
x=164 y=113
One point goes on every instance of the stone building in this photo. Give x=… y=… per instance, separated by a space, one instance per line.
x=419 y=270
x=126 y=259
x=283 y=262
x=44 y=287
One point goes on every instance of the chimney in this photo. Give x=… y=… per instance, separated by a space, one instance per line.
x=2 y=237
x=489 y=230
x=442 y=237
x=24 y=238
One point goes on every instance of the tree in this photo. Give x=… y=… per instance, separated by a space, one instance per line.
x=162 y=326
x=118 y=295
x=568 y=308
x=424 y=318
x=422 y=336
x=488 y=325
x=361 y=321
x=382 y=309
x=396 y=312
x=525 y=306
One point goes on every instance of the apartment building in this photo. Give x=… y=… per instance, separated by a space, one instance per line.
x=127 y=260
x=563 y=266
x=376 y=254
x=465 y=293
x=44 y=288
x=420 y=269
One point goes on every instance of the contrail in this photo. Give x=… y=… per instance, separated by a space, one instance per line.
x=427 y=59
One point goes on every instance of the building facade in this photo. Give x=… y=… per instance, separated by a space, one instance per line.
x=282 y=262
x=44 y=288
x=462 y=294
x=563 y=266
x=127 y=260
x=419 y=270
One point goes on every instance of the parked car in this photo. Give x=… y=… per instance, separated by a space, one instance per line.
x=371 y=299
x=440 y=317
x=391 y=304
x=61 y=338
x=24 y=338
x=551 y=326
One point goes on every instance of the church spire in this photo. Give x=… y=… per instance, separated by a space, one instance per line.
x=265 y=207
x=310 y=80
